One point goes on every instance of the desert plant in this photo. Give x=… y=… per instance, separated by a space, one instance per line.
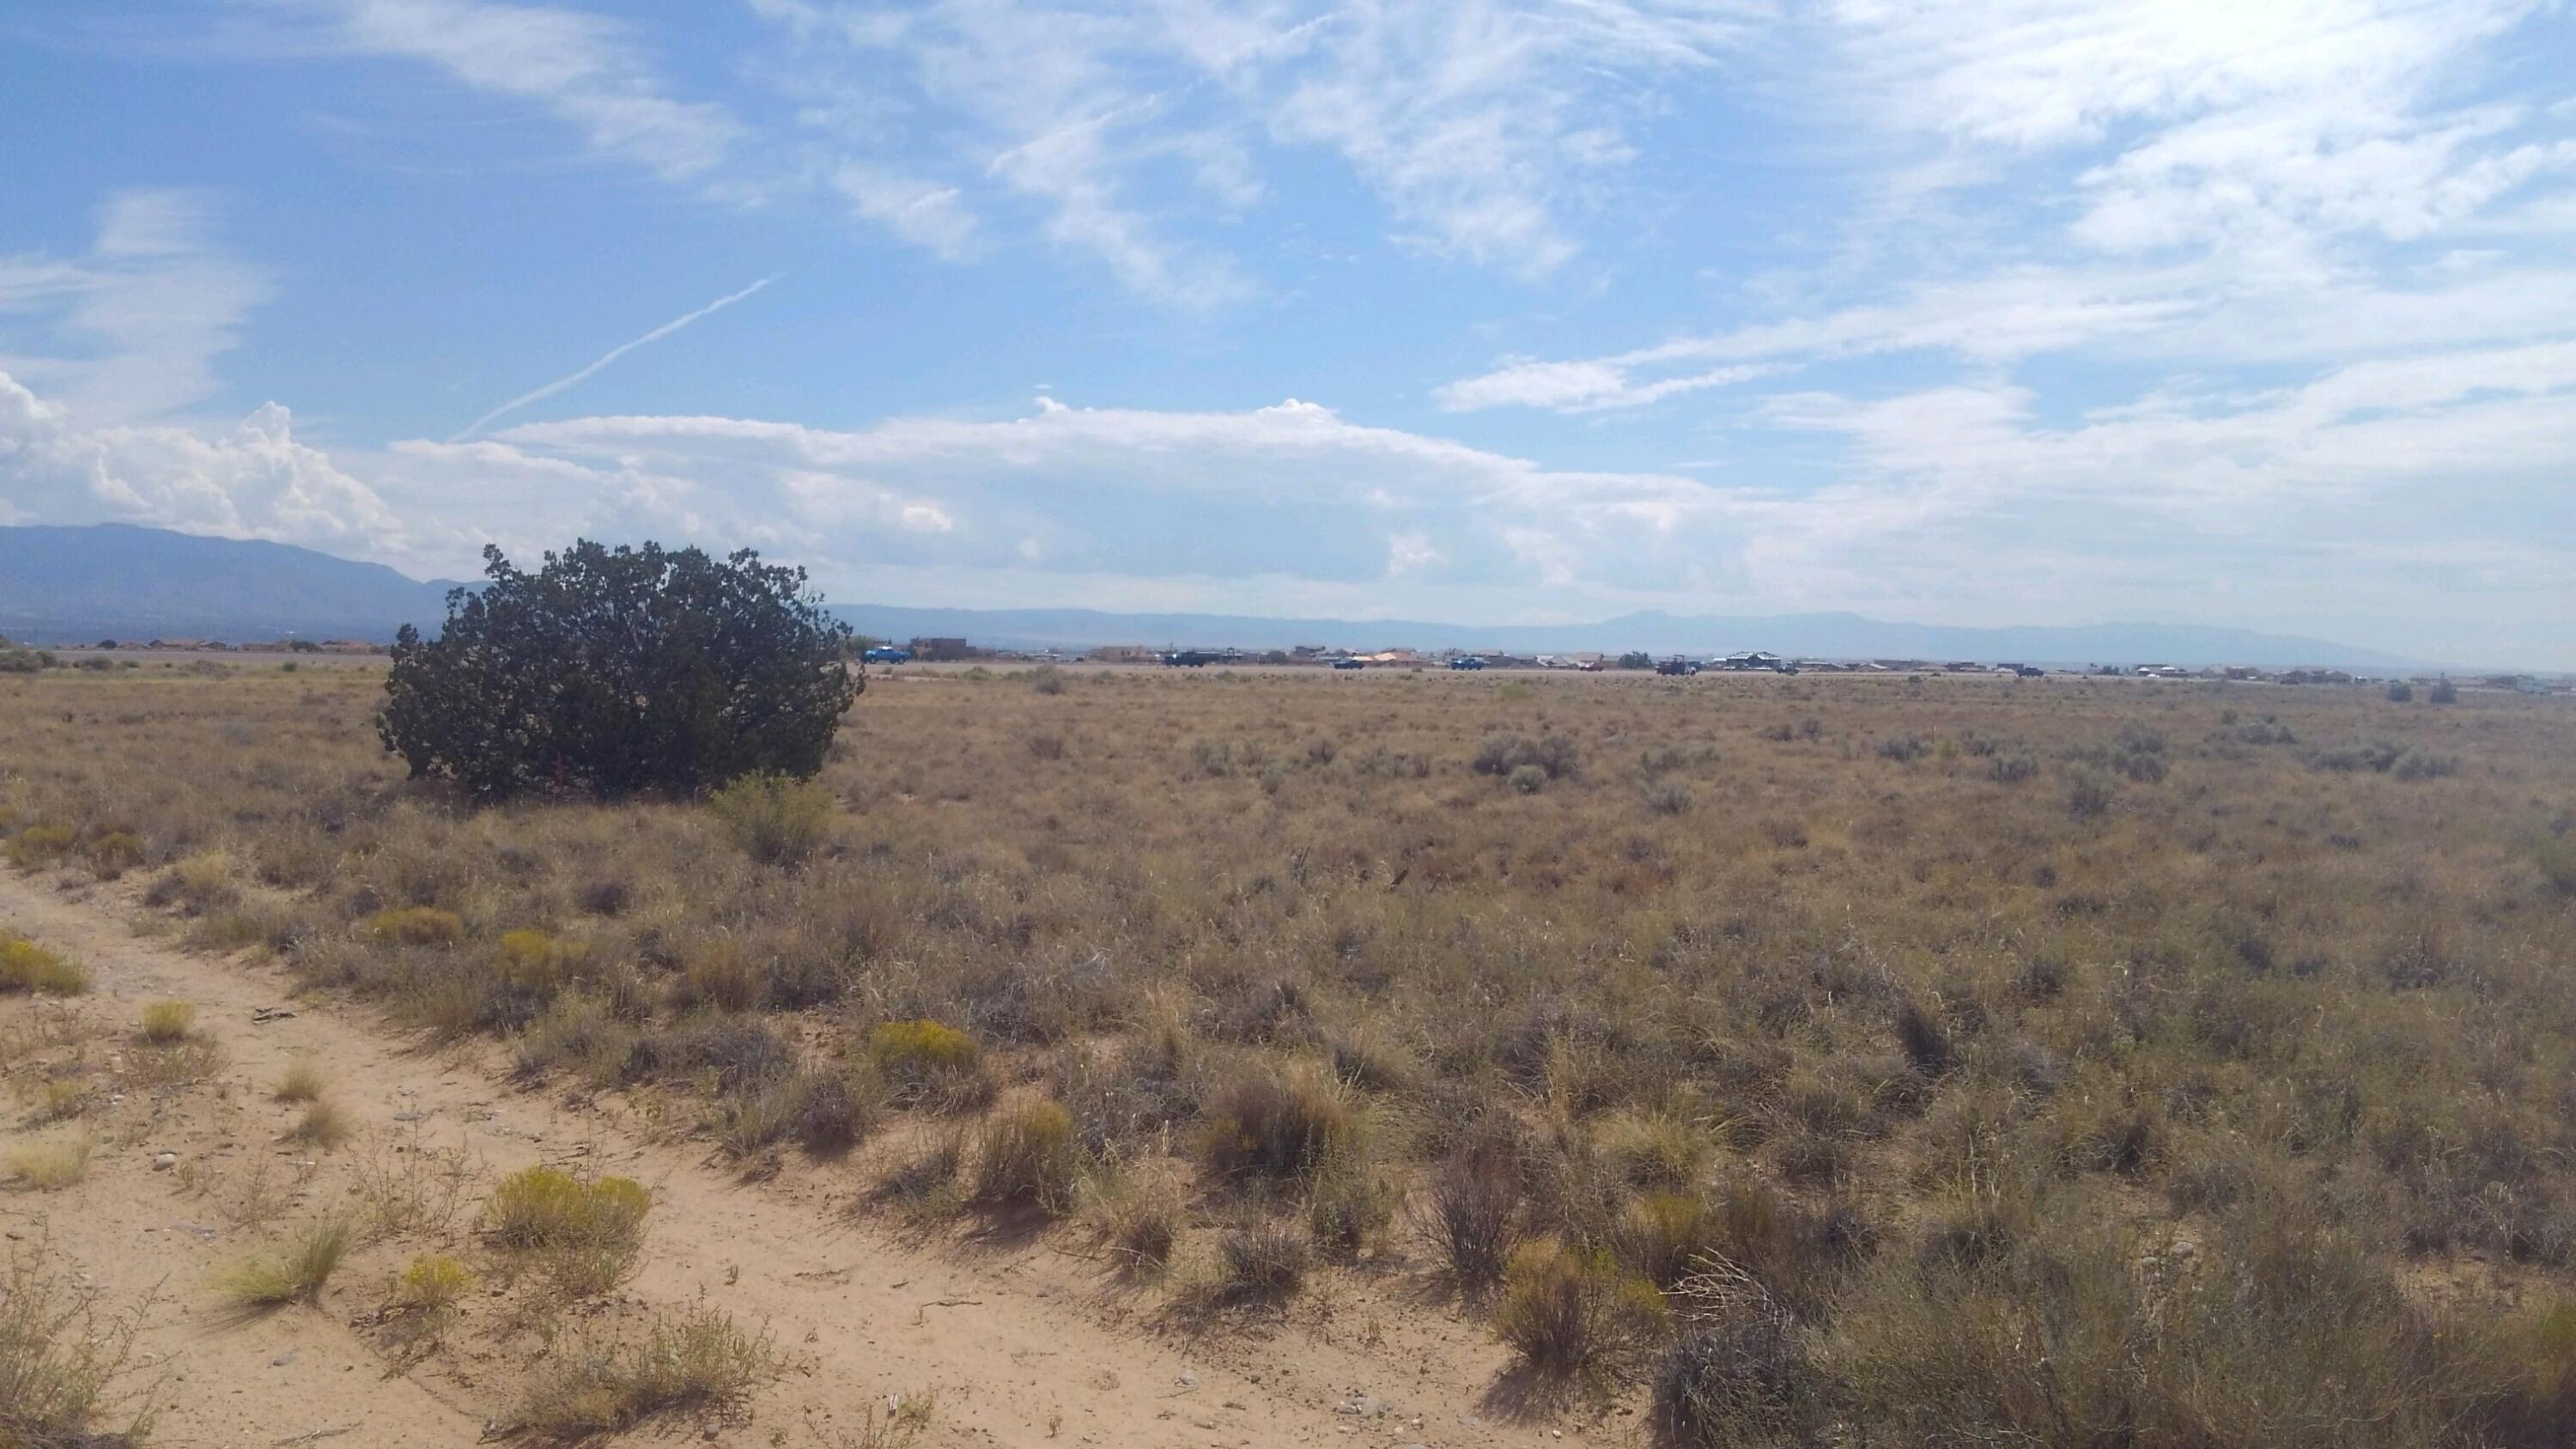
x=1471 y=1210
x=1260 y=1260
x=295 y=1271
x=167 y=1022
x=431 y=1284
x=1569 y=1313
x=59 y=1355
x=26 y=966
x=927 y=1063
x=2556 y=856
x=1025 y=1155
x=300 y=1082
x=112 y=853
x=2444 y=692
x=695 y=1358
x=323 y=1125
x=49 y=1165
x=610 y=671
x=776 y=819
x=1272 y=1125
x=584 y=1237
x=415 y=926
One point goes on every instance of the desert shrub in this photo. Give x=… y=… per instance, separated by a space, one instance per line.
x=1269 y=1125
x=165 y=1022
x=597 y=1225
x=431 y=1284
x=2400 y=692
x=2424 y=765
x=1528 y=779
x=113 y=853
x=776 y=819
x=415 y=926
x=1738 y=1374
x=2089 y=792
x=696 y=1358
x=1664 y=1237
x=58 y=1356
x=1902 y=748
x=1507 y=754
x=1471 y=1209
x=2012 y=767
x=1261 y=1260
x=26 y=966
x=611 y=671
x=1347 y=1208
x=928 y=1063
x=323 y=1125
x=2444 y=692
x=1671 y=799
x=539 y=963
x=1139 y=1219
x=1025 y=1155
x=50 y=1164
x=834 y=1111
x=42 y=845
x=1047 y=679
x=295 y=1271
x=1567 y=1313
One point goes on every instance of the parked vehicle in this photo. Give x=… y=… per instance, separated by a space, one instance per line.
x=887 y=654
x=1348 y=664
x=1189 y=658
x=1678 y=665
x=1466 y=661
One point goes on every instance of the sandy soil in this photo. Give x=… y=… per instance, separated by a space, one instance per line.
x=1020 y=1343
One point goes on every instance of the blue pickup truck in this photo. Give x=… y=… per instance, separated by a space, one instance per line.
x=887 y=654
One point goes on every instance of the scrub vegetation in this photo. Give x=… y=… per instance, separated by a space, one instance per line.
x=2058 y=1062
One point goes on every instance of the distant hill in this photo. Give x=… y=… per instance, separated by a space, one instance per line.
x=114 y=581
x=1822 y=636
x=72 y=585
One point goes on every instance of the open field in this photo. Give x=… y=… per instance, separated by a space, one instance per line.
x=1733 y=1060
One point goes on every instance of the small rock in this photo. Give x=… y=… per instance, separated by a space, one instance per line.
x=1187 y=1379
x=164 y=1161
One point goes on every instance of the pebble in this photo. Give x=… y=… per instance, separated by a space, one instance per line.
x=164 y=1161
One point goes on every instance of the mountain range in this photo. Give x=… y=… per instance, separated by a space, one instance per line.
x=82 y=584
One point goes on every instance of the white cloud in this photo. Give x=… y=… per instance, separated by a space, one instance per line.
x=1481 y=124
x=584 y=68
x=136 y=324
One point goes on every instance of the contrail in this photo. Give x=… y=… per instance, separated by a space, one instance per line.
x=614 y=353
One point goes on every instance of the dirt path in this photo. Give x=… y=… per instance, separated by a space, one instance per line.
x=1021 y=1345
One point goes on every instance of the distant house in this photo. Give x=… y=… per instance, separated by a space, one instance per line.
x=1751 y=659
x=941 y=648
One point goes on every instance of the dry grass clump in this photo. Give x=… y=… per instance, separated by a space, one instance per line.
x=1471 y=1211
x=415 y=926
x=696 y=1359
x=1570 y=1313
x=51 y=1164
x=166 y=1023
x=1138 y=1218
x=302 y=1081
x=295 y=1271
x=1026 y=1155
x=322 y=1125
x=26 y=966
x=1259 y=1261
x=1276 y=1126
x=776 y=819
x=59 y=1355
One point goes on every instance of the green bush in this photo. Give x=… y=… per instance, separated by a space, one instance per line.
x=776 y=819
x=613 y=671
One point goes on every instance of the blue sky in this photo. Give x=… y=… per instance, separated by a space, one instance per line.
x=1967 y=311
